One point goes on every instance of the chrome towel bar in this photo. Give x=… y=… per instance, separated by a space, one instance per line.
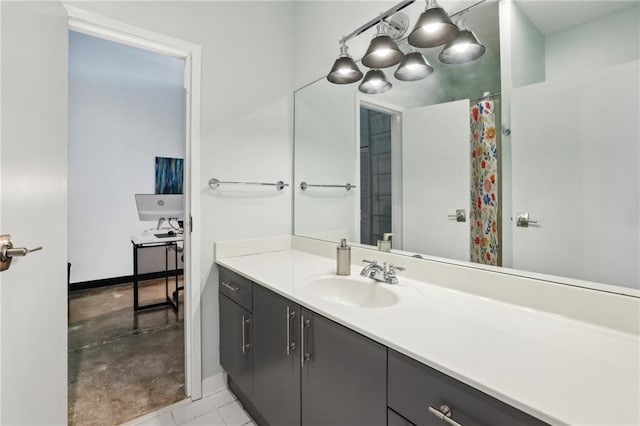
x=305 y=185
x=215 y=183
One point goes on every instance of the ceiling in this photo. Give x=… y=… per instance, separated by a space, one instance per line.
x=552 y=16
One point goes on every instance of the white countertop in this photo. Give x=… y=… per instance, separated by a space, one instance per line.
x=558 y=369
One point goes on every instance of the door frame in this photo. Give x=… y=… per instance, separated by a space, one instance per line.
x=395 y=111
x=120 y=32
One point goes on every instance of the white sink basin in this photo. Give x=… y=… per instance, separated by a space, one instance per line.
x=350 y=291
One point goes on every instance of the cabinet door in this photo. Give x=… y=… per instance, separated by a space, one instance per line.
x=344 y=379
x=236 y=351
x=276 y=358
x=395 y=419
x=418 y=392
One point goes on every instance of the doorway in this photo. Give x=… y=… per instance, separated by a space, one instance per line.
x=189 y=345
x=126 y=137
x=380 y=169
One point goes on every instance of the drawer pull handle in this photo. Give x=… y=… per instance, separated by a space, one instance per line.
x=444 y=414
x=291 y=346
x=245 y=346
x=230 y=286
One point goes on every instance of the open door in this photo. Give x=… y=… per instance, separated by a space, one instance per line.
x=435 y=161
x=33 y=210
x=575 y=163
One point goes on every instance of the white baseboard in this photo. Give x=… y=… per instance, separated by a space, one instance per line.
x=213 y=384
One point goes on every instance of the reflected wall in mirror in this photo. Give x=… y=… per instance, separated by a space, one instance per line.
x=556 y=193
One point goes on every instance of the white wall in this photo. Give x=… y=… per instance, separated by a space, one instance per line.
x=126 y=107
x=246 y=121
x=608 y=40
x=527 y=49
x=326 y=154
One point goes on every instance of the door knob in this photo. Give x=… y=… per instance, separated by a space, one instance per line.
x=460 y=216
x=522 y=220
x=8 y=252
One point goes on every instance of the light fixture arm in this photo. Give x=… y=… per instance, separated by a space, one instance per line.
x=466 y=9
x=375 y=21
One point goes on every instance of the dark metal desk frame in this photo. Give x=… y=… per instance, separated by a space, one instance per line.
x=169 y=301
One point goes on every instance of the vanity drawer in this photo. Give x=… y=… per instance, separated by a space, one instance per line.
x=414 y=387
x=237 y=288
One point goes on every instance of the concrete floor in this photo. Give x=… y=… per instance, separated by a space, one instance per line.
x=122 y=365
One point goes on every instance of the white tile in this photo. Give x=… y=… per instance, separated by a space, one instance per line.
x=197 y=408
x=163 y=420
x=214 y=384
x=212 y=418
x=221 y=398
x=233 y=414
x=164 y=410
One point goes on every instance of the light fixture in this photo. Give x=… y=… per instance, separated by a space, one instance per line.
x=433 y=27
x=413 y=67
x=344 y=70
x=464 y=48
x=383 y=52
x=374 y=82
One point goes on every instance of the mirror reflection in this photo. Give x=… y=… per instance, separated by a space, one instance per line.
x=534 y=168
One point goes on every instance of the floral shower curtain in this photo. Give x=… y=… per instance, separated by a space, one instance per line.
x=485 y=243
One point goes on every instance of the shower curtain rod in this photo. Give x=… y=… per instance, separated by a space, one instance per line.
x=489 y=96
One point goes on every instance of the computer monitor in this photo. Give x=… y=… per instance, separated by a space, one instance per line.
x=160 y=207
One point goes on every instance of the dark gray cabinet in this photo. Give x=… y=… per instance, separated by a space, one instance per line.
x=344 y=375
x=236 y=354
x=418 y=393
x=276 y=358
x=395 y=419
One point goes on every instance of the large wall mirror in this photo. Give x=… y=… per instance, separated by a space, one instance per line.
x=526 y=159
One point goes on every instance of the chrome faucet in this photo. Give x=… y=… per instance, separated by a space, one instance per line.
x=384 y=273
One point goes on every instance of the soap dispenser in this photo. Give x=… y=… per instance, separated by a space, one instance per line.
x=385 y=243
x=343 y=258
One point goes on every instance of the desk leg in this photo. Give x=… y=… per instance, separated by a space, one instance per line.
x=177 y=293
x=166 y=277
x=135 y=277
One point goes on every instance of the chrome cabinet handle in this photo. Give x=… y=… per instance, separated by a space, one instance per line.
x=230 y=286
x=245 y=345
x=460 y=216
x=444 y=414
x=304 y=356
x=291 y=346
x=522 y=220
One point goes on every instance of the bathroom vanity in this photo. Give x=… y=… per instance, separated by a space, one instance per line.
x=304 y=346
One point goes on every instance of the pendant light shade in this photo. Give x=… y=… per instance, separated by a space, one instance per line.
x=413 y=67
x=383 y=52
x=374 y=83
x=464 y=48
x=433 y=27
x=344 y=70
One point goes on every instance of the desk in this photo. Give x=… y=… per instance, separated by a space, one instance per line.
x=148 y=239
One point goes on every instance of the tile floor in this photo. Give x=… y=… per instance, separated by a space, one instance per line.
x=121 y=364
x=218 y=409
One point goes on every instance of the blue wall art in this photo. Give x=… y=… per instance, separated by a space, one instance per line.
x=169 y=175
